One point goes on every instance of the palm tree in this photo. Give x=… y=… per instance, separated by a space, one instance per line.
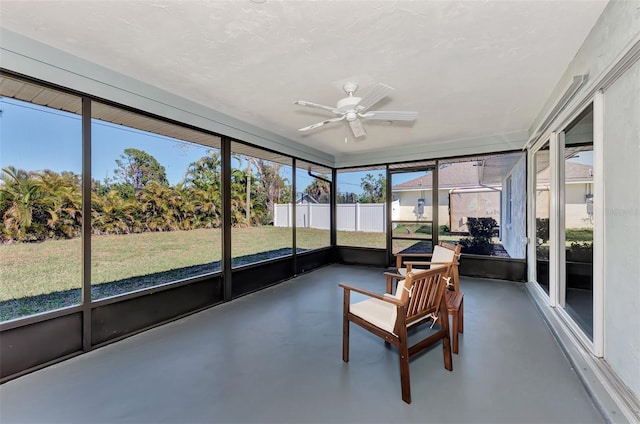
x=63 y=203
x=319 y=189
x=274 y=186
x=238 y=198
x=113 y=215
x=205 y=207
x=202 y=185
x=205 y=172
x=20 y=195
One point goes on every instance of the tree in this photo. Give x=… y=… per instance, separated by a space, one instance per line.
x=346 y=197
x=319 y=189
x=137 y=168
x=375 y=190
x=205 y=172
x=274 y=188
x=203 y=184
x=238 y=198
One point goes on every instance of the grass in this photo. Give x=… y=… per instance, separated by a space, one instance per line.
x=37 y=277
x=361 y=239
x=29 y=269
x=579 y=234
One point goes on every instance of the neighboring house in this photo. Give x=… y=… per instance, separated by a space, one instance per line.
x=467 y=189
x=476 y=188
x=460 y=195
x=305 y=198
x=309 y=213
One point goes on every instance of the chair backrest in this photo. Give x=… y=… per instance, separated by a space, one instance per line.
x=453 y=251
x=422 y=294
x=442 y=255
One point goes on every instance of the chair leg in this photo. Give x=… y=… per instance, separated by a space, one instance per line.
x=454 y=331
x=345 y=327
x=405 y=380
x=345 y=339
x=461 y=316
x=446 y=339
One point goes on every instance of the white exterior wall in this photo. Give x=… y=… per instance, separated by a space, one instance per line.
x=443 y=208
x=408 y=208
x=622 y=227
x=576 y=215
x=514 y=235
x=615 y=34
x=408 y=202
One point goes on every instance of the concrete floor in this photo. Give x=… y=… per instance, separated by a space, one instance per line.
x=275 y=356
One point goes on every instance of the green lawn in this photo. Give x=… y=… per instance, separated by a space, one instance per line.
x=30 y=269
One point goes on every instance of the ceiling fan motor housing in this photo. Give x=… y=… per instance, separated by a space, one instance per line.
x=348 y=104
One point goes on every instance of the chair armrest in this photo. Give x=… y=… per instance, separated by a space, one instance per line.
x=361 y=291
x=399 y=257
x=417 y=255
x=431 y=263
x=384 y=297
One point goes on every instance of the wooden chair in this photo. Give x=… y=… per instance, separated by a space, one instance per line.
x=443 y=254
x=418 y=298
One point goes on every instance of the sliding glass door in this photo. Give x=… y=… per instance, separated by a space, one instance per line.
x=577 y=221
x=562 y=220
x=541 y=210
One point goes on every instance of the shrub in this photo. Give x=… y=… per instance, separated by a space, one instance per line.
x=542 y=230
x=580 y=252
x=443 y=229
x=476 y=246
x=481 y=231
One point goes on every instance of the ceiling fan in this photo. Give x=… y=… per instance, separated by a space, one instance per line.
x=352 y=109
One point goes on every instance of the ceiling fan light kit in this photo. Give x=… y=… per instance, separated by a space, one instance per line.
x=353 y=109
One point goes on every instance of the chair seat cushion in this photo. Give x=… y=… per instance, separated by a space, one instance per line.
x=377 y=312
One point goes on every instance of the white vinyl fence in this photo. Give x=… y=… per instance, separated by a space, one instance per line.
x=369 y=217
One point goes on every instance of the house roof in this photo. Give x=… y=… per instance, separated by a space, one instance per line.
x=456 y=175
x=574 y=173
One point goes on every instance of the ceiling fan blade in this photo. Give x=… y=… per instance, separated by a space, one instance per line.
x=390 y=115
x=318 y=106
x=319 y=124
x=377 y=93
x=357 y=128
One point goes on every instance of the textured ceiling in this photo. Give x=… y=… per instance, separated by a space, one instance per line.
x=469 y=68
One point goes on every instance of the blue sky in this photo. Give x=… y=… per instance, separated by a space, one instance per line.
x=37 y=138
